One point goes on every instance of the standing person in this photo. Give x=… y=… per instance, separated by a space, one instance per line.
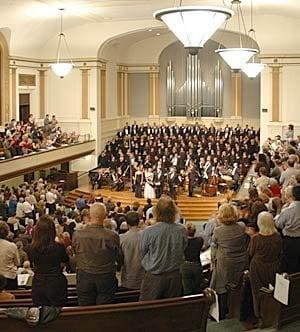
x=149 y=185
x=132 y=272
x=191 y=269
x=97 y=251
x=47 y=124
x=162 y=247
x=9 y=258
x=289 y=222
x=159 y=182
x=51 y=200
x=172 y=181
x=192 y=180
x=264 y=253
x=229 y=253
x=49 y=285
x=138 y=182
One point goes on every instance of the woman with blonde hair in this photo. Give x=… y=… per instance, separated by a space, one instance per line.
x=264 y=254
x=229 y=253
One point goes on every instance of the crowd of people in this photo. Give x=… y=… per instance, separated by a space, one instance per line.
x=154 y=252
x=163 y=159
x=23 y=137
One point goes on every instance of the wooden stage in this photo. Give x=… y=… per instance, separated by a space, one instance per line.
x=198 y=208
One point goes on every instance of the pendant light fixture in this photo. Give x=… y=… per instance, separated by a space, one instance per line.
x=252 y=69
x=193 y=25
x=238 y=56
x=60 y=68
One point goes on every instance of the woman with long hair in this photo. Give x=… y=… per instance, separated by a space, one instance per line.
x=49 y=286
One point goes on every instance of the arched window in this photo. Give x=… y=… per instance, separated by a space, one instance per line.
x=4 y=81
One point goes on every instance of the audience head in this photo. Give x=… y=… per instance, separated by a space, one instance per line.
x=296 y=193
x=165 y=210
x=227 y=214
x=135 y=206
x=4 y=230
x=191 y=229
x=132 y=219
x=97 y=213
x=43 y=233
x=265 y=223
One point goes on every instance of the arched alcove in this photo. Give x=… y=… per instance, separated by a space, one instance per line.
x=4 y=80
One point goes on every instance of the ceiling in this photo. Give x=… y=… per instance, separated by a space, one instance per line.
x=33 y=22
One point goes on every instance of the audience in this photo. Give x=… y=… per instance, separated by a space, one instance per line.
x=264 y=253
x=9 y=258
x=22 y=138
x=97 y=251
x=132 y=272
x=229 y=253
x=162 y=247
x=46 y=257
x=191 y=269
x=4 y=296
x=289 y=222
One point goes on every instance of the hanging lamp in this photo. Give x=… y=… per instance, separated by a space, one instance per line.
x=60 y=68
x=236 y=57
x=193 y=25
x=252 y=69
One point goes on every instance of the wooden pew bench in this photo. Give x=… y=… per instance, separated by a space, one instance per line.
x=275 y=314
x=120 y=297
x=184 y=314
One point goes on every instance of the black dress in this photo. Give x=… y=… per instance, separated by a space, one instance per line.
x=49 y=285
x=138 y=185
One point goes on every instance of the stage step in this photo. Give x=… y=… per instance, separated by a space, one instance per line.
x=192 y=208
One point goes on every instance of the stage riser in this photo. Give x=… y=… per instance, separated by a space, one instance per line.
x=192 y=209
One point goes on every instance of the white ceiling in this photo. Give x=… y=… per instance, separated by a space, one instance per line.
x=33 y=23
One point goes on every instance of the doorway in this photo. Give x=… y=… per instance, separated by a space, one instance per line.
x=24 y=106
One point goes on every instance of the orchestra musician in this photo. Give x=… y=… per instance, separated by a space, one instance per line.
x=159 y=182
x=172 y=182
x=192 y=176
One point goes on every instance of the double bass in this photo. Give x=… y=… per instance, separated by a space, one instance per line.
x=210 y=189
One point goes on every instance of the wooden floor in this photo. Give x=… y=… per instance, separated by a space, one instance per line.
x=196 y=208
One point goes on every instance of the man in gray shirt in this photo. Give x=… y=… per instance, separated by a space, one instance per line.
x=97 y=251
x=163 y=246
x=289 y=222
x=132 y=272
x=288 y=173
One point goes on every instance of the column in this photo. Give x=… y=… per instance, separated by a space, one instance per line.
x=154 y=94
x=276 y=71
x=42 y=101
x=103 y=93
x=236 y=79
x=13 y=93
x=85 y=93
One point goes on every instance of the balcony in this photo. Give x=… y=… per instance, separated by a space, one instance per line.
x=36 y=161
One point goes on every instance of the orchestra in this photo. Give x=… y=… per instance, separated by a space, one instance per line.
x=153 y=159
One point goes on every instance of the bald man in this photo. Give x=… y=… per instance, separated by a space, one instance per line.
x=97 y=253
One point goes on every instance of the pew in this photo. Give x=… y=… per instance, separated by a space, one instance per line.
x=26 y=301
x=183 y=314
x=275 y=314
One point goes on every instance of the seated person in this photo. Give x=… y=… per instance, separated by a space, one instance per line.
x=5 y=296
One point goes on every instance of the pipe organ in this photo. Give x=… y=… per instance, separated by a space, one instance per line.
x=201 y=98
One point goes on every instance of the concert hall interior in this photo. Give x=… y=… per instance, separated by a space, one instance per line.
x=150 y=165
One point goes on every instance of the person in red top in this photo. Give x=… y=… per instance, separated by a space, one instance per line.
x=275 y=188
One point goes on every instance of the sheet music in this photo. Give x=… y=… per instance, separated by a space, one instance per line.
x=281 y=292
x=214 y=308
x=23 y=279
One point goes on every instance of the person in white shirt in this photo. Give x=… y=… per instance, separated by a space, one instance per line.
x=20 y=210
x=9 y=258
x=50 y=201
x=28 y=208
